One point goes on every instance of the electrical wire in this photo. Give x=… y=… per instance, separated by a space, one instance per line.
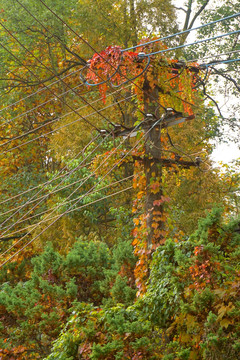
x=60 y=127
x=38 y=106
x=46 y=211
x=43 y=196
x=84 y=100
x=55 y=120
x=34 y=17
x=36 y=92
x=61 y=215
x=25 y=204
x=193 y=43
x=48 y=182
x=150 y=54
x=94 y=50
x=220 y=62
x=135 y=77
x=182 y=32
x=15 y=57
x=151 y=96
x=34 y=188
x=67 y=212
x=215 y=55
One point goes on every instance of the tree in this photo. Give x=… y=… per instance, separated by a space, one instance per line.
x=187 y=275
x=33 y=310
x=223 y=78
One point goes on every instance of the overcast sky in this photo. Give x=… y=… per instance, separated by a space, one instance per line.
x=224 y=152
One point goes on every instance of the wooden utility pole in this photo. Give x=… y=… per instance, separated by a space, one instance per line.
x=152 y=159
x=152 y=165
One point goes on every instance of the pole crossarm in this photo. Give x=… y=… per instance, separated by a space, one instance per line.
x=170 y=118
x=168 y=162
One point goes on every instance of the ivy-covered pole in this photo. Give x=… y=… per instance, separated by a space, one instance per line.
x=153 y=166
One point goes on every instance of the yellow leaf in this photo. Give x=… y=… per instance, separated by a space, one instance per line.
x=225 y=323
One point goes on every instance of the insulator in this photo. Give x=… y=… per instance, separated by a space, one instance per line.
x=198 y=160
x=141 y=54
x=103 y=132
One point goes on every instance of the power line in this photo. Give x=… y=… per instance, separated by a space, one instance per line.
x=67 y=212
x=60 y=127
x=67 y=202
x=220 y=62
x=214 y=55
x=38 y=106
x=34 y=17
x=43 y=196
x=57 y=119
x=61 y=215
x=194 y=43
x=92 y=48
x=37 y=92
x=48 y=182
x=33 y=188
x=45 y=84
x=52 y=190
x=183 y=32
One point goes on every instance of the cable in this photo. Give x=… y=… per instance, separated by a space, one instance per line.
x=220 y=62
x=43 y=196
x=76 y=168
x=47 y=183
x=38 y=106
x=92 y=48
x=33 y=188
x=60 y=216
x=52 y=190
x=215 y=55
x=194 y=43
x=53 y=73
x=44 y=212
x=111 y=77
x=61 y=127
x=36 y=92
x=54 y=120
x=67 y=212
x=135 y=77
x=63 y=203
x=34 y=17
x=182 y=32
x=80 y=37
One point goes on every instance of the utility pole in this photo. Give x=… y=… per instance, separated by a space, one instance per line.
x=152 y=166
x=152 y=159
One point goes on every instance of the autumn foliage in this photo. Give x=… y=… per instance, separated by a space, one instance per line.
x=143 y=265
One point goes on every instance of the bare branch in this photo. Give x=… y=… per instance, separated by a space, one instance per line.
x=214 y=101
x=227 y=77
x=180 y=8
x=198 y=13
x=12 y=237
x=23 y=81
